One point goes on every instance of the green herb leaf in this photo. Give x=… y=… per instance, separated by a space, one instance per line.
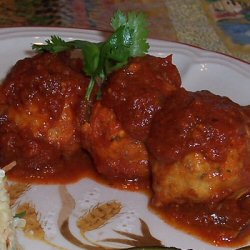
x=100 y=59
x=54 y=45
x=118 y=20
x=20 y=215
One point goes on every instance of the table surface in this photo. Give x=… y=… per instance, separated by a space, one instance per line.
x=217 y=25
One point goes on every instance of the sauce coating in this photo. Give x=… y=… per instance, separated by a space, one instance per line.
x=225 y=224
x=200 y=122
x=45 y=126
x=41 y=99
x=137 y=92
x=199 y=145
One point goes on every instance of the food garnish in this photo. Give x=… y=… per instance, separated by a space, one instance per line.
x=129 y=39
x=20 y=215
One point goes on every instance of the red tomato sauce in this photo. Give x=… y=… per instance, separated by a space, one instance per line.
x=224 y=225
x=44 y=162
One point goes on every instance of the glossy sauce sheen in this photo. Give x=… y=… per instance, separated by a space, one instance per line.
x=59 y=171
x=199 y=122
x=42 y=158
x=217 y=225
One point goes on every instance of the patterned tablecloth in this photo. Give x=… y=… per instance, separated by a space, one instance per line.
x=218 y=25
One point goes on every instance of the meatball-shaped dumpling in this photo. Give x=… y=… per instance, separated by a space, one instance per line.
x=200 y=145
x=41 y=95
x=138 y=91
x=41 y=98
x=115 y=153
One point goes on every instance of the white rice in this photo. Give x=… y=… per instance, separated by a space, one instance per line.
x=8 y=224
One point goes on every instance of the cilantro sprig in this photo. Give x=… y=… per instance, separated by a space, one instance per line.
x=129 y=39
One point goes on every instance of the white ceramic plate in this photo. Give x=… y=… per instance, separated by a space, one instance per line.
x=57 y=208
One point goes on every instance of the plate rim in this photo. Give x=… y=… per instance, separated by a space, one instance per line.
x=42 y=30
